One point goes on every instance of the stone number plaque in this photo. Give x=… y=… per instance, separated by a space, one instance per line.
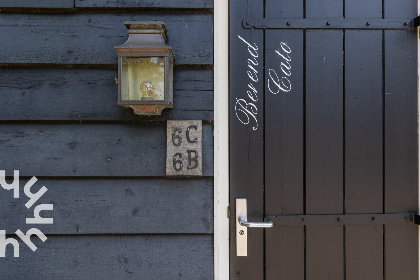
x=184 y=152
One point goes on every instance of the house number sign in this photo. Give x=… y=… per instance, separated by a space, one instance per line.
x=184 y=152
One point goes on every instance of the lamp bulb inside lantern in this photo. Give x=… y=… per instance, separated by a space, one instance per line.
x=147 y=90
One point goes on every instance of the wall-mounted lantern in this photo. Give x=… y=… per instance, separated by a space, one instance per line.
x=145 y=68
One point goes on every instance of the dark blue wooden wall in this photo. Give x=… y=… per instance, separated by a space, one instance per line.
x=116 y=214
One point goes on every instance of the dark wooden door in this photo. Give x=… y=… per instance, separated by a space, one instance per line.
x=323 y=126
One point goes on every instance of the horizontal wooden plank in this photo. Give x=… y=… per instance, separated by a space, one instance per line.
x=90 y=38
x=134 y=149
x=91 y=94
x=36 y=4
x=145 y=3
x=127 y=205
x=113 y=257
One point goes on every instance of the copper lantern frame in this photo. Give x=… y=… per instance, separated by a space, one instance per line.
x=147 y=39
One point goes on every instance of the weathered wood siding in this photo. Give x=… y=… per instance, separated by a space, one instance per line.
x=116 y=214
x=89 y=94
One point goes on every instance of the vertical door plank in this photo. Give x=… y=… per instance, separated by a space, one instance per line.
x=246 y=133
x=324 y=9
x=363 y=151
x=363 y=142
x=324 y=150
x=363 y=9
x=363 y=112
x=364 y=252
x=401 y=167
x=284 y=142
x=324 y=142
x=400 y=110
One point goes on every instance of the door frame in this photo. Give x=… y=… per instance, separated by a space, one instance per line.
x=221 y=139
x=221 y=136
x=418 y=108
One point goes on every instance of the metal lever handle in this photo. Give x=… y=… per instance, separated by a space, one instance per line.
x=242 y=226
x=245 y=223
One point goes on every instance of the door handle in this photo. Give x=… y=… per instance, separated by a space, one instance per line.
x=242 y=226
x=245 y=223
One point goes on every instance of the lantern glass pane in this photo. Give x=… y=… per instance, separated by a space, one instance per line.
x=171 y=79
x=143 y=78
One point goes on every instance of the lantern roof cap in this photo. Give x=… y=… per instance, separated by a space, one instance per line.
x=145 y=36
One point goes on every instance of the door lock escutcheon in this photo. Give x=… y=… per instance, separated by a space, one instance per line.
x=242 y=226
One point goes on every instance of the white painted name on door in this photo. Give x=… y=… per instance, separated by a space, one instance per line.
x=246 y=108
x=274 y=83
